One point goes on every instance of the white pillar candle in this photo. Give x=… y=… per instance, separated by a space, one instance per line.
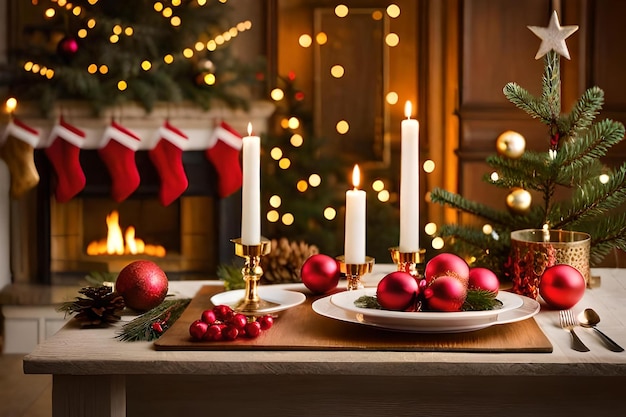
x=251 y=190
x=354 y=248
x=409 y=184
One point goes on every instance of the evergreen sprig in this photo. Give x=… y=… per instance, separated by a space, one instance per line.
x=152 y=324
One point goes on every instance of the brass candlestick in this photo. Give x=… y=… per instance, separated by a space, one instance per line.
x=354 y=272
x=252 y=304
x=411 y=262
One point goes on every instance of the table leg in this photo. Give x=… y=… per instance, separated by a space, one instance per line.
x=89 y=396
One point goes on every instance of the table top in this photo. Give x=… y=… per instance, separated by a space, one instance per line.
x=76 y=351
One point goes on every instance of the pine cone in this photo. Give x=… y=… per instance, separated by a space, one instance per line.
x=285 y=260
x=101 y=307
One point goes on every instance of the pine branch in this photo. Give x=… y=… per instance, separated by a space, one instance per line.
x=152 y=324
x=493 y=216
x=527 y=172
x=551 y=92
x=526 y=101
x=585 y=110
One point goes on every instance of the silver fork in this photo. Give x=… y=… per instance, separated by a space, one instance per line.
x=568 y=322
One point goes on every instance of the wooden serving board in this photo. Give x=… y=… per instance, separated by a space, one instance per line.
x=300 y=328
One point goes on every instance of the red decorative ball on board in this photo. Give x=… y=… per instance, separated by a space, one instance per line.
x=67 y=47
x=320 y=273
x=562 y=286
x=483 y=279
x=446 y=264
x=445 y=293
x=397 y=291
x=142 y=284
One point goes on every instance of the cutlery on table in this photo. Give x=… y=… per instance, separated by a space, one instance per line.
x=568 y=322
x=589 y=318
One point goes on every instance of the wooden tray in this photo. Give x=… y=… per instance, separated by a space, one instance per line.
x=300 y=328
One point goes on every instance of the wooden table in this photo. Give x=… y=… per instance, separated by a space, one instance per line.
x=96 y=375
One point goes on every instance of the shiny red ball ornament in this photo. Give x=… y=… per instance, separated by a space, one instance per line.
x=142 y=284
x=445 y=293
x=562 y=286
x=483 y=279
x=320 y=273
x=67 y=47
x=446 y=264
x=397 y=291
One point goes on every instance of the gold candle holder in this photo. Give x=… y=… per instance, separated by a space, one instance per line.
x=252 y=304
x=354 y=272
x=411 y=262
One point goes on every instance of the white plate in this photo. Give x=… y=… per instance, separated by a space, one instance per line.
x=326 y=308
x=282 y=298
x=426 y=321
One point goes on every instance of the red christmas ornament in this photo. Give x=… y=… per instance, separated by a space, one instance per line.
x=397 y=291
x=320 y=273
x=143 y=284
x=446 y=264
x=445 y=293
x=67 y=47
x=562 y=286
x=483 y=279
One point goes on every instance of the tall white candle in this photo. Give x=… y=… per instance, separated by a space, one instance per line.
x=251 y=190
x=409 y=184
x=354 y=248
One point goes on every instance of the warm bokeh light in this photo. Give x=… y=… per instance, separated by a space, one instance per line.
x=305 y=40
x=392 y=97
x=284 y=123
x=49 y=13
x=377 y=15
x=341 y=10
x=296 y=140
x=146 y=65
x=276 y=153
x=117 y=29
x=337 y=71
x=604 y=178
x=129 y=31
x=168 y=59
x=321 y=38
x=429 y=166
x=330 y=213
x=315 y=180
x=302 y=186
x=122 y=85
x=437 y=243
x=187 y=52
x=277 y=94
x=82 y=33
x=383 y=196
x=378 y=185
x=209 y=79
x=91 y=23
x=430 y=228
x=275 y=201
x=293 y=123
x=114 y=38
x=273 y=216
x=342 y=127
x=11 y=104
x=487 y=229
x=103 y=69
x=288 y=219
x=284 y=163
x=158 y=6
x=494 y=176
x=393 y=11
x=392 y=39
x=167 y=12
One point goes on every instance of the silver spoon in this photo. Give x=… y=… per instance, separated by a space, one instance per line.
x=589 y=318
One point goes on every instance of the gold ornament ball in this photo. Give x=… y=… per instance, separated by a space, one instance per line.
x=519 y=201
x=511 y=144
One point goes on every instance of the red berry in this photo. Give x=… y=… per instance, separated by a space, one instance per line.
x=197 y=329
x=223 y=312
x=230 y=333
x=253 y=329
x=238 y=321
x=208 y=316
x=266 y=322
x=213 y=333
x=157 y=327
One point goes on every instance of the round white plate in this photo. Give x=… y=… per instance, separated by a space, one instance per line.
x=326 y=308
x=426 y=321
x=283 y=299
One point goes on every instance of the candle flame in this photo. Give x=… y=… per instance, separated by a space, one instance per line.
x=356 y=177
x=408 y=108
x=249 y=129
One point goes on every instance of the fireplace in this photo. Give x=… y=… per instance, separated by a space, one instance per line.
x=49 y=240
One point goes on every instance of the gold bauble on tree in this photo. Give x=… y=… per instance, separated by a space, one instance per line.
x=511 y=144
x=519 y=201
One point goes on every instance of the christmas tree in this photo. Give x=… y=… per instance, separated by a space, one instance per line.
x=108 y=52
x=571 y=166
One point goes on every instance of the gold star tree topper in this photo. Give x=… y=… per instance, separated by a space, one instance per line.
x=553 y=37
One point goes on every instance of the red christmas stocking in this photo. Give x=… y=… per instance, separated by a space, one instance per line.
x=223 y=152
x=63 y=152
x=167 y=157
x=17 y=147
x=118 y=153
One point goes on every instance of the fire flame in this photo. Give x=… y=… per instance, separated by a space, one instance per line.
x=118 y=243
